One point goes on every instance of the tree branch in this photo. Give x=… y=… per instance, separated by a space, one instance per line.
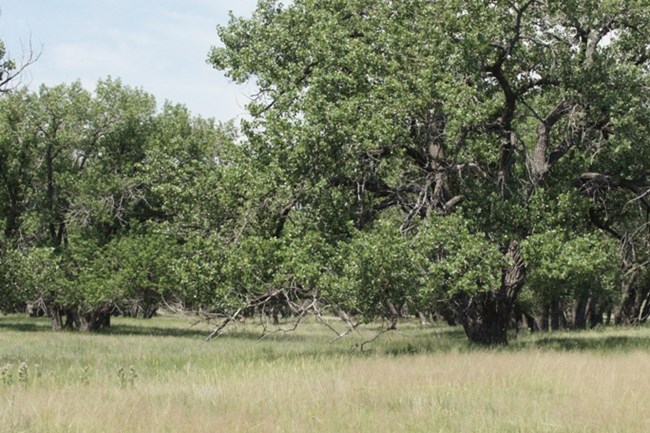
x=540 y=164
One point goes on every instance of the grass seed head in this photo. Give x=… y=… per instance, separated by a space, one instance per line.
x=5 y=375
x=22 y=372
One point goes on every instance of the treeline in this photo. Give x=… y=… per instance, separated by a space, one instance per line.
x=98 y=190
x=485 y=164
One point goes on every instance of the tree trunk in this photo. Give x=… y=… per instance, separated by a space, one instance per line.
x=72 y=320
x=580 y=313
x=486 y=316
x=75 y=321
x=105 y=319
x=544 y=318
x=393 y=315
x=556 y=315
x=55 y=315
x=629 y=311
x=595 y=314
x=275 y=313
x=490 y=326
x=95 y=320
x=531 y=323
x=449 y=316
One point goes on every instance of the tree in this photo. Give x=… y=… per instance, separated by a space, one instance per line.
x=431 y=109
x=573 y=278
x=70 y=179
x=10 y=71
x=127 y=208
x=10 y=174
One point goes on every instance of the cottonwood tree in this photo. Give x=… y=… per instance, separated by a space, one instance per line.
x=70 y=178
x=426 y=109
x=121 y=207
x=573 y=277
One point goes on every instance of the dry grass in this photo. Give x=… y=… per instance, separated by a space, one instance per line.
x=299 y=383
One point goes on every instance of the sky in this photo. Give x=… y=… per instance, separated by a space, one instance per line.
x=160 y=46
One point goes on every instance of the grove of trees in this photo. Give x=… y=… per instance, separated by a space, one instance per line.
x=485 y=162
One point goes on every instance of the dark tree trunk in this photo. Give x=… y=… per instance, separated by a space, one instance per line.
x=76 y=321
x=105 y=319
x=95 y=320
x=531 y=323
x=595 y=315
x=489 y=327
x=73 y=320
x=580 y=313
x=544 y=319
x=556 y=315
x=486 y=317
x=447 y=314
x=634 y=306
x=625 y=312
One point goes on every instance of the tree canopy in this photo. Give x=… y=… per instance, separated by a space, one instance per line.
x=486 y=162
x=516 y=120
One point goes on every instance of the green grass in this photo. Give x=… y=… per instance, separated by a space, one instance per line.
x=414 y=380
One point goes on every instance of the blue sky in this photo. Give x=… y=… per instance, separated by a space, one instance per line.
x=159 y=45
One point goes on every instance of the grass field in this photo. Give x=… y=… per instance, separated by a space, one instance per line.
x=161 y=376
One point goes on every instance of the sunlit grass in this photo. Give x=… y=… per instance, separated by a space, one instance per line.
x=417 y=380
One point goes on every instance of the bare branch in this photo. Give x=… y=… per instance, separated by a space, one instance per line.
x=10 y=77
x=217 y=332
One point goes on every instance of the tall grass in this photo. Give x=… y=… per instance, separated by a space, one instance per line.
x=160 y=376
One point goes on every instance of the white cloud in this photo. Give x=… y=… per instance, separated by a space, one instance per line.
x=161 y=46
x=84 y=58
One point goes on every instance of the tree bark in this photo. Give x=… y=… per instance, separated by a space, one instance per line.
x=580 y=313
x=393 y=315
x=55 y=316
x=556 y=315
x=489 y=326
x=486 y=316
x=95 y=320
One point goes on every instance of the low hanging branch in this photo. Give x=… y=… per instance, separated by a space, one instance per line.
x=219 y=329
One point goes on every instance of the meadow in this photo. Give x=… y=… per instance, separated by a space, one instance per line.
x=161 y=375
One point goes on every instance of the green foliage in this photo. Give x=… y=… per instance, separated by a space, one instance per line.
x=564 y=265
x=390 y=114
x=375 y=267
x=84 y=195
x=31 y=275
x=458 y=260
x=398 y=153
